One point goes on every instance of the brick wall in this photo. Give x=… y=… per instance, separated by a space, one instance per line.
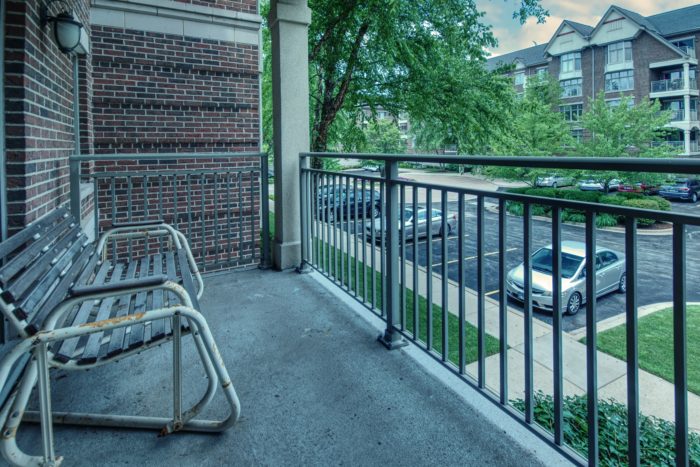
x=645 y=50
x=246 y=6
x=39 y=112
x=161 y=93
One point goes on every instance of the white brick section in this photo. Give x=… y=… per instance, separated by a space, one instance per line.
x=168 y=17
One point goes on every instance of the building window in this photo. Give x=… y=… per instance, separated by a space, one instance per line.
x=572 y=113
x=619 y=52
x=571 y=62
x=520 y=79
x=541 y=72
x=577 y=134
x=619 y=81
x=571 y=88
x=616 y=103
x=686 y=45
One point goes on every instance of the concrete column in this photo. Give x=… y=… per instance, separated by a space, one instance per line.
x=289 y=22
x=686 y=111
x=686 y=77
x=686 y=134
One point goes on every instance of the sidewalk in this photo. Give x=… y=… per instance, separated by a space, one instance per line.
x=656 y=394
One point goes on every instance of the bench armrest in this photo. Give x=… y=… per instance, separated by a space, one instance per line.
x=146 y=223
x=119 y=286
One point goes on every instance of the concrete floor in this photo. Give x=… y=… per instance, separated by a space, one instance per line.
x=315 y=387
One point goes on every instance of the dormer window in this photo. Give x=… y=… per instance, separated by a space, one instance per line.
x=619 y=52
x=571 y=62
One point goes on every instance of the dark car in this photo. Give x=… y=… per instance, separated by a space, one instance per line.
x=336 y=202
x=683 y=188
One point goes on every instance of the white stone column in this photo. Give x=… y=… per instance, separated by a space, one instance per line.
x=686 y=77
x=289 y=22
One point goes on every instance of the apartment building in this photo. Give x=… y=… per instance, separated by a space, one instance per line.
x=624 y=54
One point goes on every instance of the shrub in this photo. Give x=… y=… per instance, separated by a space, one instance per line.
x=664 y=204
x=631 y=195
x=570 y=215
x=519 y=190
x=606 y=220
x=514 y=208
x=615 y=200
x=578 y=195
x=539 y=210
x=643 y=204
x=657 y=436
x=543 y=192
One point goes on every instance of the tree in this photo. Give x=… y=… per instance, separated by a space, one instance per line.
x=383 y=137
x=623 y=130
x=535 y=129
x=420 y=56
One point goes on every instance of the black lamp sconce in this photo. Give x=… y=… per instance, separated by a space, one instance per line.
x=66 y=29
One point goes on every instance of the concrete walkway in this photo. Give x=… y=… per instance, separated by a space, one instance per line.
x=655 y=392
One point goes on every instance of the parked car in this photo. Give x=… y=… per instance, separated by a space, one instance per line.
x=409 y=216
x=682 y=188
x=610 y=276
x=598 y=185
x=639 y=187
x=554 y=181
x=334 y=202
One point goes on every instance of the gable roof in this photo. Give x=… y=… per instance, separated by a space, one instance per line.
x=675 y=22
x=636 y=17
x=529 y=57
x=580 y=28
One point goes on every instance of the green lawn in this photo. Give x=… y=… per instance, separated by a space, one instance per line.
x=470 y=344
x=656 y=345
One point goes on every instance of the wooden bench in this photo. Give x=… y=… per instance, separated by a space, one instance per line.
x=74 y=308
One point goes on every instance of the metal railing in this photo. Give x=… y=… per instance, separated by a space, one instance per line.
x=666 y=85
x=436 y=292
x=218 y=200
x=678 y=115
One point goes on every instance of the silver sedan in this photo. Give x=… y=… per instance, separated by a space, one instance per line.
x=610 y=276
x=408 y=217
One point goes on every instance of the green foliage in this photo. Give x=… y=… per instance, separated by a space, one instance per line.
x=643 y=204
x=606 y=220
x=383 y=137
x=657 y=436
x=630 y=195
x=569 y=215
x=615 y=200
x=583 y=196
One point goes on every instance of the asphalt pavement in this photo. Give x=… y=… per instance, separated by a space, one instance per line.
x=654 y=259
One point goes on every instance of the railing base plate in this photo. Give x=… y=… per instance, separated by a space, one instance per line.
x=304 y=268
x=392 y=342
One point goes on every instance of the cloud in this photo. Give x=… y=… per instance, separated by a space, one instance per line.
x=512 y=36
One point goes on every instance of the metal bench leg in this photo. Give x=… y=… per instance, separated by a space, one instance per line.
x=177 y=373
x=40 y=352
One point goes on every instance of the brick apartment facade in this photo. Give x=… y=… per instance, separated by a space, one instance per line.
x=154 y=76
x=625 y=54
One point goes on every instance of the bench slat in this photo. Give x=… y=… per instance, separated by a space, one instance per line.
x=25 y=235
x=136 y=338
x=157 y=327
x=116 y=341
x=24 y=281
x=68 y=346
x=94 y=340
x=47 y=303
x=32 y=252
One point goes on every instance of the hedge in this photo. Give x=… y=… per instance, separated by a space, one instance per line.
x=657 y=436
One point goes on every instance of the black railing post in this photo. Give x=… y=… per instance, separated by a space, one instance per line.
x=305 y=197
x=265 y=212
x=74 y=181
x=391 y=338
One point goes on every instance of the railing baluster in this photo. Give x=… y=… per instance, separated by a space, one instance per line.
x=160 y=209
x=265 y=208
x=591 y=338
x=203 y=218
x=215 y=211
x=557 y=328
x=364 y=242
x=339 y=217
x=416 y=301
x=337 y=195
x=503 y=300
x=145 y=210
x=402 y=223
x=354 y=231
x=632 y=354
x=461 y=277
x=188 y=204
x=680 y=351
x=240 y=217
x=253 y=241
x=229 y=243
x=348 y=234
x=429 y=268
x=129 y=202
x=443 y=276
x=382 y=241
x=373 y=244
x=481 y=302
x=527 y=312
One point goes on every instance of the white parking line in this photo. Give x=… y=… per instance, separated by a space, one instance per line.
x=469 y=258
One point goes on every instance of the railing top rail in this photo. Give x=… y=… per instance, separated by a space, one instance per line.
x=622 y=164
x=160 y=156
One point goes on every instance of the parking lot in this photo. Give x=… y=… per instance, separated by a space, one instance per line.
x=654 y=259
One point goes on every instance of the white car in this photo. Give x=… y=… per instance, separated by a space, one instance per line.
x=598 y=185
x=554 y=181
x=610 y=276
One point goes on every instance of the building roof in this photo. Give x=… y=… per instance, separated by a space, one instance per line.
x=529 y=57
x=668 y=23
x=580 y=28
x=678 y=21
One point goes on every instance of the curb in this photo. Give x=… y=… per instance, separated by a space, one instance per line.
x=621 y=318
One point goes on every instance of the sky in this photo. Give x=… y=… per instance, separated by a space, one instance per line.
x=512 y=36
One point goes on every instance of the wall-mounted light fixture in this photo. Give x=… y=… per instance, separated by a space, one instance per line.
x=66 y=29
